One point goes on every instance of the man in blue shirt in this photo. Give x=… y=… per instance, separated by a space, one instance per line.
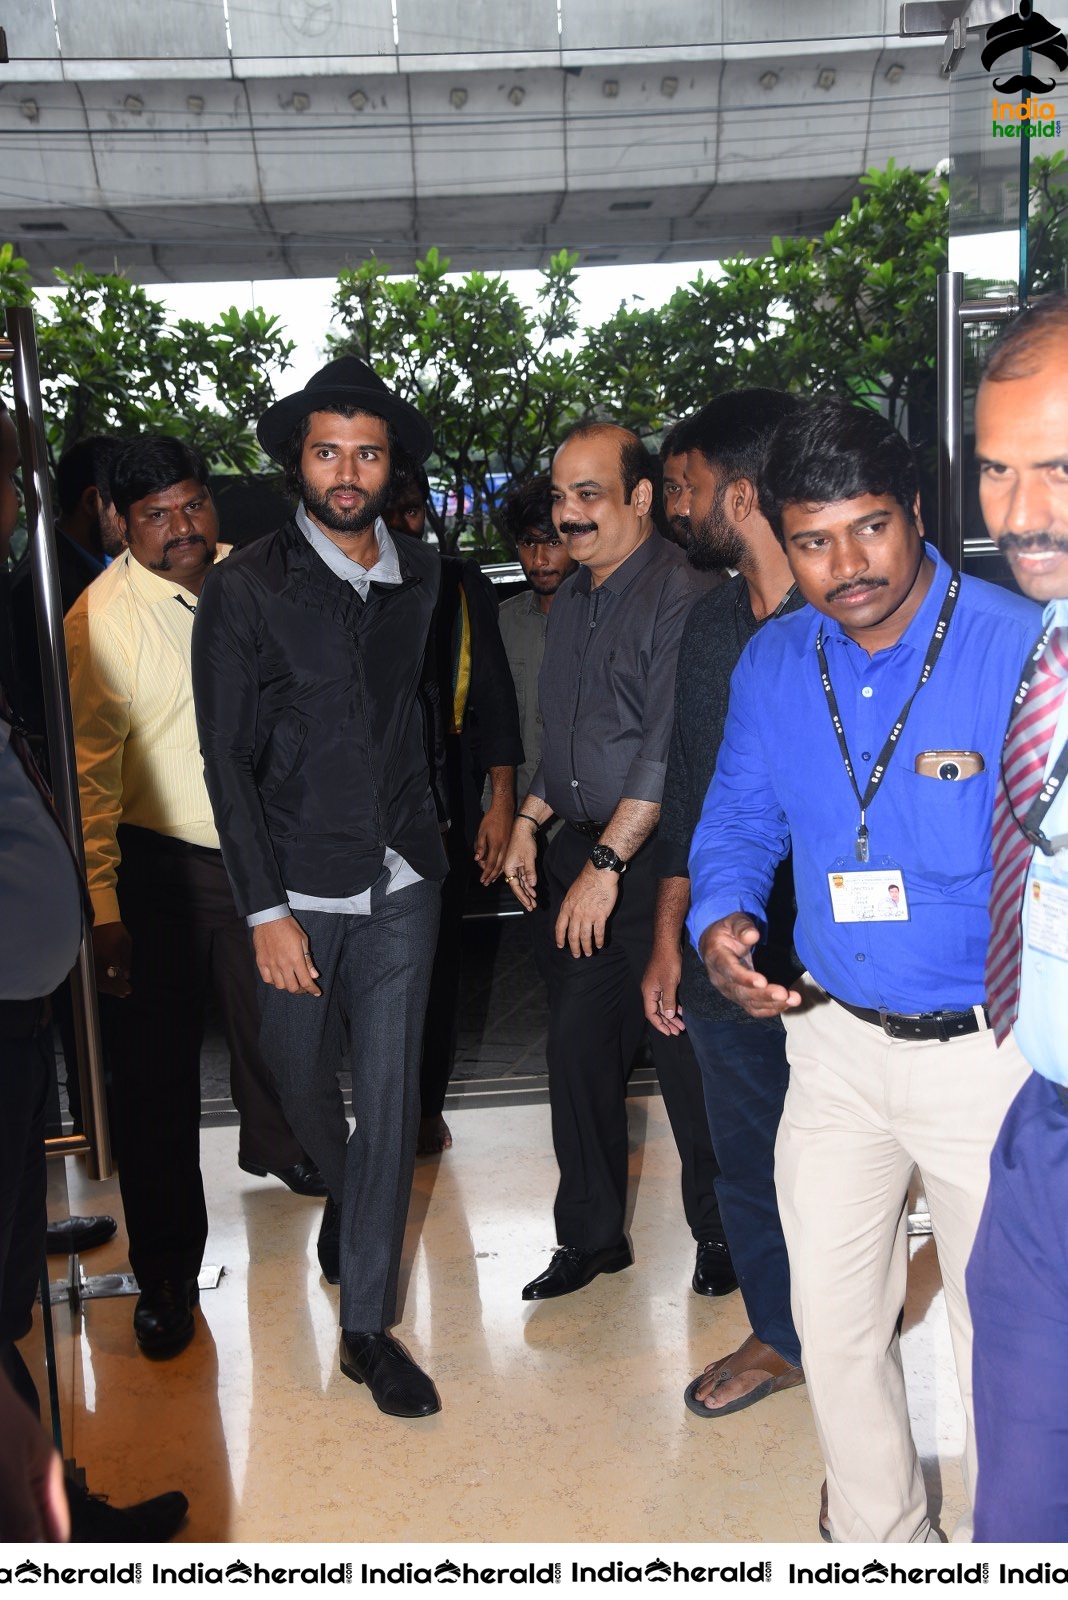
x=1018 y=1274
x=855 y=734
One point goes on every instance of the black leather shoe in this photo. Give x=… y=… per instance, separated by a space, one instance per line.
x=163 y=1317
x=713 y=1271
x=572 y=1268
x=71 y=1235
x=398 y=1387
x=303 y=1178
x=93 y=1521
x=330 y=1242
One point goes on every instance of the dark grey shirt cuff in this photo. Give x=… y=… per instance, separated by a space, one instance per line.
x=645 y=781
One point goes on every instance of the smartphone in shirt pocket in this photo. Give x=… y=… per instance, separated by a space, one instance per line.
x=951 y=766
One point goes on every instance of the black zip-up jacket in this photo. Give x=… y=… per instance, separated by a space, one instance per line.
x=313 y=708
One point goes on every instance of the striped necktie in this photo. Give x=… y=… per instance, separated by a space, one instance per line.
x=1024 y=759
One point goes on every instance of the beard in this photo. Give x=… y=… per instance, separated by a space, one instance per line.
x=363 y=515
x=545 y=582
x=715 y=542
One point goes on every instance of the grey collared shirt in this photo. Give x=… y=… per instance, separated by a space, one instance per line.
x=385 y=570
x=607 y=682
x=523 y=623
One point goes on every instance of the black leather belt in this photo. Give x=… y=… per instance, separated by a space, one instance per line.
x=134 y=838
x=589 y=830
x=941 y=1025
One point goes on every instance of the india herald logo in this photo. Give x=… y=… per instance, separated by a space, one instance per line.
x=1028 y=30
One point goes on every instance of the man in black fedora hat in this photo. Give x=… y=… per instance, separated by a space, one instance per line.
x=315 y=712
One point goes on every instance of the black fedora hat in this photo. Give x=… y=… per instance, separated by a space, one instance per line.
x=346 y=381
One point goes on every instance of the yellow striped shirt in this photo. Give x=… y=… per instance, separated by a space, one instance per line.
x=128 y=636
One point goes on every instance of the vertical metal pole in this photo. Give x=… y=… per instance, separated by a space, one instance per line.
x=1023 y=287
x=950 y=418
x=29 y=419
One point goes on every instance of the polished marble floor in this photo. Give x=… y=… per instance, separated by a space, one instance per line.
x=562 y=1421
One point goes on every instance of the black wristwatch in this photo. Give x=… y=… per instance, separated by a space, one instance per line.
x=604 y=858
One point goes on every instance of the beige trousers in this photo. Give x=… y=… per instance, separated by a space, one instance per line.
x=862 y=1111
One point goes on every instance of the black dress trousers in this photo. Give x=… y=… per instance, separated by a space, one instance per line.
x=596 y=1024
x=187 y=938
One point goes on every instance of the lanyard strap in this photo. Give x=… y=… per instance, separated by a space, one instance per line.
x=1031 y=825
x=741 y=599
x=934 y=650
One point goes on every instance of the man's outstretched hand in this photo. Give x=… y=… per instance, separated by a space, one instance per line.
x=727 y=951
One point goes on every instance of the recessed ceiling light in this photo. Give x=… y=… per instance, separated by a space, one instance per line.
x=301 y=102
x=194 y=103
x=134 y=104
x=768 y=80
x=30 y=110
x=826 y=77
x=895 y=72
x=457 y=98
x=610 y=88
x=669 y=87
x=358 y=100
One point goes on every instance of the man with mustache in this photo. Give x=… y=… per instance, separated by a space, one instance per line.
x=165 y=928
x=311 y=674
x=865 y=733
x=1018 y=1274
x=605 y=691
x=714 y=461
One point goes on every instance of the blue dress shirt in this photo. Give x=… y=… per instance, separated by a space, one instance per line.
x=780 y=778
x=1041 y=1029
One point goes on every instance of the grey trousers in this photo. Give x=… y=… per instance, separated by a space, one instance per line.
x=374 y=973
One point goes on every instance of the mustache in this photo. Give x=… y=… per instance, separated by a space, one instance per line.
x=1024 y=80
x=855 y=588
x=578 y=527
x=192 y=538
x=1033 y=543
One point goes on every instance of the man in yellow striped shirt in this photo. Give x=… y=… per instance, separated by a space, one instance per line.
x=166 y=929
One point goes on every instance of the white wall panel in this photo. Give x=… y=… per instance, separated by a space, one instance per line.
x=111 y=29
x=473 y=27
x=499 y=148
x=277 y=31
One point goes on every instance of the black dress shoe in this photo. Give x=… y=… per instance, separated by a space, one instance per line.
x=163 y=1317
x=94 y=1521
x=713 y=1271
x=330 y=1242
x=572 y=1268
x=71 y=1235
x=398 y=1387
x=303 y=1177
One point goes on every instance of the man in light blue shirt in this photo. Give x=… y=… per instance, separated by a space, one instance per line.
x=856 y=734
x=1018 y=1274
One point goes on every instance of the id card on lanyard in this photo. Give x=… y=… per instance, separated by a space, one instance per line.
x=862 y=891
x=876 y=895
x=1047 y=909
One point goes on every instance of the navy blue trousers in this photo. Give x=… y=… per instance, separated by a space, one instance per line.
x=1018 y=1292
x=744 y=1073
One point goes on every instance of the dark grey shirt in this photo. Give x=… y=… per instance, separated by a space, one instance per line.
x=607 y=682
x=717 y=630
x=40 y=899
